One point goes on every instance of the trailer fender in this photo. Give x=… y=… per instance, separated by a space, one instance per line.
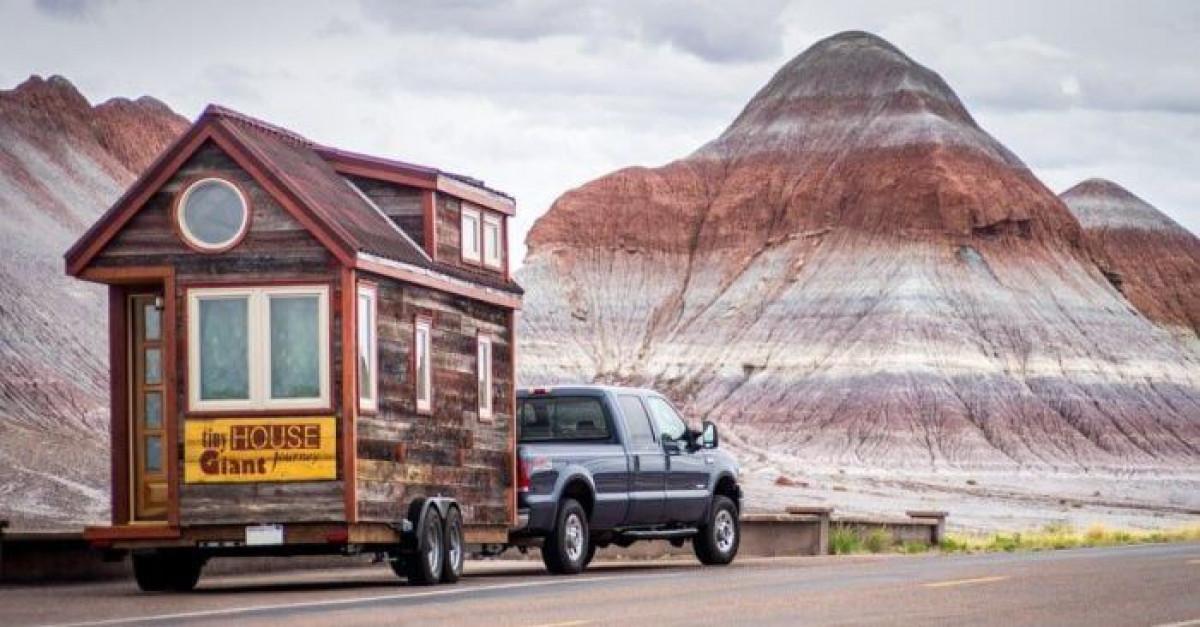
x=419 y=508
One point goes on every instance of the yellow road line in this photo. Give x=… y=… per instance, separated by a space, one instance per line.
x=570 y=623
x=964 y=582
x=1186 y=623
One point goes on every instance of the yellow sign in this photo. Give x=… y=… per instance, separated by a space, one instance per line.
x=244 y=450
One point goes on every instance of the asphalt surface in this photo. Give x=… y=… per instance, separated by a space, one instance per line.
x=1141 y=585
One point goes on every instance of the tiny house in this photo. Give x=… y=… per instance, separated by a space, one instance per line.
x=307 y=345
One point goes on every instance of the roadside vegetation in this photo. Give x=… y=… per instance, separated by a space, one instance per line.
x=844 y=540
x=1064 y=536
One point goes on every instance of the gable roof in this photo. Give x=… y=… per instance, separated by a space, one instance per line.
x=299 y=173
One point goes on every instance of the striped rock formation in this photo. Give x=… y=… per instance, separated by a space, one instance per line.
x=1151 y=259
x=62 y=163
x=855 y=274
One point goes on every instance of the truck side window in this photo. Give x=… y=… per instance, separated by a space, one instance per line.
x=670 y=425
x=637 y=420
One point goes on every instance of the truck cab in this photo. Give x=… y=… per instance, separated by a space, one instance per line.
x=601 y=465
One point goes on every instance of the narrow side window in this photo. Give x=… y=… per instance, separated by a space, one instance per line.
x=483 y=369
x=493 y=253
x=471 y=248
x=368 y=355
x=422 y=335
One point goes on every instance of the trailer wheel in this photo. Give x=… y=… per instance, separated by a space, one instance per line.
x=148 y=572
x=454 y=553
x=183 y=571
x=566 y=547
x=178 y=571
x=425 y=566
x=717 y=541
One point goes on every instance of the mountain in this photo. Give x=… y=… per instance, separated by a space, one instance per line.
x=62 y=163
x=1151 y=259
x=855 y=275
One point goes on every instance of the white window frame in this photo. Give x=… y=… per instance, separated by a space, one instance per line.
x=483 y=375
x=469 y=214
x=369 y=293
x=180 y=210
x=424 y=405
x=493 y=257
x=258 y=318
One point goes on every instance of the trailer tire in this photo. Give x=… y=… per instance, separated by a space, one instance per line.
x=453 y=547
x=426 y=565
x=716 y=543
x=566 y=548
x=183 y=571
x=149 y=572
x=178 y=571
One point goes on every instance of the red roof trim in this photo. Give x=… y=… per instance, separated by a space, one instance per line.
x=208 y=127
x=419 y=176
x=93 y=240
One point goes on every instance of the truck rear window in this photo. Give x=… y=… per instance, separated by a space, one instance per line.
x=561 y=418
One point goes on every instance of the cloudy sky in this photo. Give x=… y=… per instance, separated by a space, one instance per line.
x=539 y=96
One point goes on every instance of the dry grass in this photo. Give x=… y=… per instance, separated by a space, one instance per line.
x=1063 y=536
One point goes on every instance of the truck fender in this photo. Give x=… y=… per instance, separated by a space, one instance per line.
x=570 y=475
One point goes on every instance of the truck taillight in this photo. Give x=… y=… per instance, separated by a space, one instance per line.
x=527 y=467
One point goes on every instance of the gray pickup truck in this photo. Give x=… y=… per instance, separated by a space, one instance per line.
x=607 y=465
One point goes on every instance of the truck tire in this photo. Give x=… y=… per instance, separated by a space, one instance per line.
x=587 y=560
x=718 y=538
x=454 y=549
x=425 y=566
x=566 y=548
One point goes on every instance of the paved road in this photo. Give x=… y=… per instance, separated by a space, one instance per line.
x=1147 y=585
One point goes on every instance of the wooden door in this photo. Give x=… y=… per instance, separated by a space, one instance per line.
x=148 y=435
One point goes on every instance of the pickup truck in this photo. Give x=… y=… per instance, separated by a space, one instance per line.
x=601 y=465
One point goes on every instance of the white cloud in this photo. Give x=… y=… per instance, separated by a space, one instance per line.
x=538 y=96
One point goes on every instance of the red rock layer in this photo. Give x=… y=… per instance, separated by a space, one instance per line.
x=854 y=273
x=1152 y=260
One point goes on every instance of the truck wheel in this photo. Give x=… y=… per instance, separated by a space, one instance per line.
x=454 y=552
x=149 y=572
x=716 y=544
x=425 y=567
x=566 y=548
x=587 y=560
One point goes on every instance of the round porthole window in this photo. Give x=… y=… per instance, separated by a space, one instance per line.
x=212 y=214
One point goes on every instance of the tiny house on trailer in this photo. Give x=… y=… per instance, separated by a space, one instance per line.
x=312 y=351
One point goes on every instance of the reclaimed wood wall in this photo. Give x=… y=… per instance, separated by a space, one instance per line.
x=276 y=249
x=403 y=454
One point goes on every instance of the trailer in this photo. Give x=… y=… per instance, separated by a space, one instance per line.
x=312 y=351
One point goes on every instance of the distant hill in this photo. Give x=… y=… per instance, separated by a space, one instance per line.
x=62 y=163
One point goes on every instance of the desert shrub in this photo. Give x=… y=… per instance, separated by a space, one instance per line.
x=843 y=541
x=879 y=540
x=915 y=547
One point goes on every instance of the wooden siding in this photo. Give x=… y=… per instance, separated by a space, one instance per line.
x=449 y=237
x=276 y=249
x=403 y=454
x=401 y=204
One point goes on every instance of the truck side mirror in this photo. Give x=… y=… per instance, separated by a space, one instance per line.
x=709 y=437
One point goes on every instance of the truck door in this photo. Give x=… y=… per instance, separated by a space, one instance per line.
x=687 y=471
x=647 y=465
